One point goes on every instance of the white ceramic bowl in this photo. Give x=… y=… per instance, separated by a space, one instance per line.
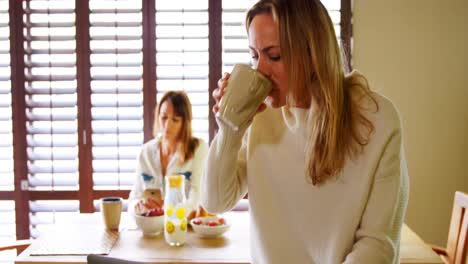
x=150 y=225
x=204 y=230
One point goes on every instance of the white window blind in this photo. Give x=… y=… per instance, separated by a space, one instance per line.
x=6 y=142
x=50 y=83
x=51 y=105
x=7 y=229
x=334 y=10
x=44 y=213
x=7 y=207
x=182 y=55
x=116 y=91
x=235 y=43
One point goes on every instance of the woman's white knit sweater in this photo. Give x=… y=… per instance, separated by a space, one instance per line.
x=353 y=218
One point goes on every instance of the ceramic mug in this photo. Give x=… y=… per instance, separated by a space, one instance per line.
x=111 y=208
x=245 y=91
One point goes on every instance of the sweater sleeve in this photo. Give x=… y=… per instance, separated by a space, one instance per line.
x=199 y=160
x=225 y=182
x=377 y=238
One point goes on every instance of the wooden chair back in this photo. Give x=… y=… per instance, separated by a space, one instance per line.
x=457 y=242
x=19 y=245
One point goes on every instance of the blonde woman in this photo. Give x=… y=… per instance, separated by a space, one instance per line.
x=173 y=150
x=322 y=161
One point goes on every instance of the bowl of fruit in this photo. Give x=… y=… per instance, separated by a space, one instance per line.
x=209 y=226
x=151 y=221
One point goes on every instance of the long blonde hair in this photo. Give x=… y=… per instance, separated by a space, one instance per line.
x=182 y=108
x=316 y=73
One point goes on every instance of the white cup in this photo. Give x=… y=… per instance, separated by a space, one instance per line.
x=111 y=208
x=246 y=90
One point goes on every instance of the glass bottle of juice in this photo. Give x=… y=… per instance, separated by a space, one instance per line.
x=175 y=221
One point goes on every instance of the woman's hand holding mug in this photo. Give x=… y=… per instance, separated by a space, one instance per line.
x=238 y=107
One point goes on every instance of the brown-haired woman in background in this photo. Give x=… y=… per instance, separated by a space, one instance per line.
x=173 y=150
x=323 y=164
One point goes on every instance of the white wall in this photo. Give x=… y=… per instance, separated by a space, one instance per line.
x=415 y=53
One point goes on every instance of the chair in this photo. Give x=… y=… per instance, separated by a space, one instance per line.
x=457 y=243
x=98 y=259
x=19 y=245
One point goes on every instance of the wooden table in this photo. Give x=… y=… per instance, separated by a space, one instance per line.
x=414 y=250
x=233 y=247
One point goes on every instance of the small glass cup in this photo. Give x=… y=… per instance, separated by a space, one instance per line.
x=246 y=90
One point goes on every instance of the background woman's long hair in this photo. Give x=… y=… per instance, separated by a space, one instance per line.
x=182 y=108
x=310 y=51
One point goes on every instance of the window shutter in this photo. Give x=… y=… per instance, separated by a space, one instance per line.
x=182 y=55
x=44 y=213
x=6 y=142
x=334 y=10
x=7 y=229
x=50 y=83
x=51 y=105
x=7 y=207
x=116 y=91
x=235 y=43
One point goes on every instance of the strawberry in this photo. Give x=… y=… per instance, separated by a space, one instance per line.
x=197 y=221
x=153 y=212
x=212 y=223
x=159 y=211
x=221 y=221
